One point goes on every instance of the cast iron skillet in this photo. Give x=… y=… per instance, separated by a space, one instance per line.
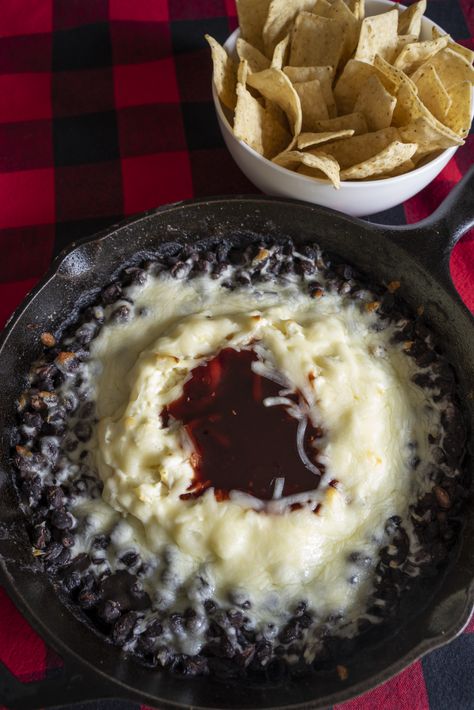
x=418 y=256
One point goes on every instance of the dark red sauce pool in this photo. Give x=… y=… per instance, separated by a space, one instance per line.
x=241 y=444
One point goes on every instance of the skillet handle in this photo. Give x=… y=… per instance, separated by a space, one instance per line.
x=456 y=213
x=67 y=688
x=432 y=240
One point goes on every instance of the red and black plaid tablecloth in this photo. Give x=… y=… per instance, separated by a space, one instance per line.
x=105 y=110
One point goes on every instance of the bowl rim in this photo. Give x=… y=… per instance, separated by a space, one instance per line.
x=319 y=182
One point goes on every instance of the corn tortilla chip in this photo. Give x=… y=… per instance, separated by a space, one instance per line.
x=280 y=53
x=256 y=126
x=323 y=74
x=316 y=41
x=451 y=66
x=313 y=106
x=399 y=170
x=224 y=73
x=391 y=77
x=411 y=110
x=273 y=84
x=350 y=25
x=305 y=140
x=378 y=35
x=351 y=121
x=355 y=150
x=281 y=14
x=403 y=40
x=252 y=16
x=321 y=7
x=413 y=55
x=256 y=60
x=458 y=117
x=350 y=83
x=375 y=102
x=387 y=160
x=242 y=72
x=429 y=137
x=357 y=7
x=465 y=52
x=318 y=160
x=432 y=92
x=409 y=21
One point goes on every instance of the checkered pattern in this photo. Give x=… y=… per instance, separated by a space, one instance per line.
x=106 y=111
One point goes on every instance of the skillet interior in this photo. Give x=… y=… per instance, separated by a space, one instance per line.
x=431 y=618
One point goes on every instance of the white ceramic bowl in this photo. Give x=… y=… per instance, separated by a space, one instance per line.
x=354 y=198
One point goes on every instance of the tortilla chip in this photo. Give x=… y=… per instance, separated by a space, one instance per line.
x=256 y=60
x=273 y=84
x=252 y=15
x=375 y=102
x=465 y=52
x=243 y=72
x=413 y=55
x=339 y=12
x=305 y=140
x=399 y=170
x=281 y=14
x=378 y=35
x=313 y=106
x=403 y=40
x=325 y=77
x=387 y=160
x=357 y=7
x=432 y=92
x=355 y=150
x=351 y=121
x=319 y=161
x=428 y=136
x=391 y=77
x=256 y=126
x=409 y=21
x=316 y=41
x=280 y=53
x=224 y=73
x=458 y=117
x=321 y=7
x=278 y=114
x=350 y=83
x=451 y=66
x=411 y=110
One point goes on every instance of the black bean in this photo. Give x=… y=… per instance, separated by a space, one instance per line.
x=442 y=497
x=66 y=539
x=190 y=666
x=135 y=275
x=86 y=333
x=122 y=314
x=83 y=430
x=62 y=519
x=109 y=611
x=41 y=536
x=235 y=617
x=55 y=497
x=123 y=628
x=88 y=598
x=71 y=581
x=290 y=632
x=62 y=559
x=53 y=551
x=210 y=606
x=263 y=653
x=176 y=622
x=111 y=293
x=130 y=559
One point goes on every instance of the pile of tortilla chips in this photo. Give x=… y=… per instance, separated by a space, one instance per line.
x=320 y=89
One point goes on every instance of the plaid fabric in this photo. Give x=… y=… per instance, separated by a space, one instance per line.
x=106 y=111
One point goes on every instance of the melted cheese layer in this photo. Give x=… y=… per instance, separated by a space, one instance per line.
x=356 y=385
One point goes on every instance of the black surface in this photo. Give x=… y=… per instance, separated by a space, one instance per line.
x=418 y=256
